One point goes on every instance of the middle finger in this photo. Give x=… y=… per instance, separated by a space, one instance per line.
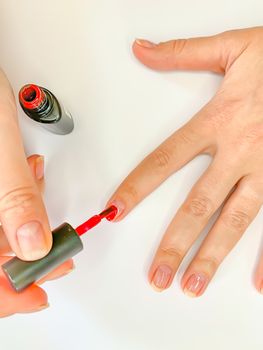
x=203 y=200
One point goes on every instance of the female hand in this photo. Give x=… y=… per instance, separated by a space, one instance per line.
x=22 y=212
x=230 y=129
x=33 y=298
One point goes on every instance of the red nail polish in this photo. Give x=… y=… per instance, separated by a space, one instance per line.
x=119 y=209
x=108 y=213
x=42 y=106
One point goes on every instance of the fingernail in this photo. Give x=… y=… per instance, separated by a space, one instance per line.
x=40 y=308
x=32 y=241
x=68 y=271
x=39 y=169
x=161 y=277
x=145 y=43
x=261 y=289
x=6 y=315
x=195 y=284
x=120 y=209
x=113 y=211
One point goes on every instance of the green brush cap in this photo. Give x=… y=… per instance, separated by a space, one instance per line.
x=66 y=244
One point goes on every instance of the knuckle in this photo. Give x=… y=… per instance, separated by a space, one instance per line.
x=222 y=110
x=178 y=46
x=200 y=206
x=254 y=189
x=161 y=158
x=218 y=114
x=188 y=136
x=237 y=220
x=209 y=262
x=131 y=191
x=255 y=96
x=18 y=200
x=173 y=252
x=252 y=136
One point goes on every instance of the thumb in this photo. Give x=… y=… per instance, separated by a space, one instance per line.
x=206 y=53
x=22 y=212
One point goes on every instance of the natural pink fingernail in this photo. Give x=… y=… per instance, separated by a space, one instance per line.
x=31 y=240
x=66 y=272
x=39 y=170
x=39 y=308
x=145 y=43
x=161 y=277
x=195 y=284
x=261 y=288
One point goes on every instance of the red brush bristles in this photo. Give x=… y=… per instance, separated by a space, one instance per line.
x=108 y=213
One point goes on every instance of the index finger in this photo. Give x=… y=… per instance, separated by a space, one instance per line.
x=170 y=156
x=22 y=212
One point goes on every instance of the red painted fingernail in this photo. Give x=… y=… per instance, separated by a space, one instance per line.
x=195 y=284
x=109 y=213
x=161 y=277
x=119 y=210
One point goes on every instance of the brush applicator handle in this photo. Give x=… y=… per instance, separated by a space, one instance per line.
x=66 y=244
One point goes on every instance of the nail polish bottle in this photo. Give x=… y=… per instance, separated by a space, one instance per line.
x=43 y=107
x=66 y=243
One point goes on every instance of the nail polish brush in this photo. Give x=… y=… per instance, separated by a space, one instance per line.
x=66 y=244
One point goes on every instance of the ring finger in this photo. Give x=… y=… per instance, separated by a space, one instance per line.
x=238 y=212
x=204 y=199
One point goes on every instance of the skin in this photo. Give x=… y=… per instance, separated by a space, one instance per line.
x=20 y=200
x=21 y=181
x=33 y=298
x=230 y=129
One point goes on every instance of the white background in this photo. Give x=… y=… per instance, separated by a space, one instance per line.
x=81 y=50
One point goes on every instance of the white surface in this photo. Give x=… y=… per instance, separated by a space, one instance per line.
x=80 y=50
